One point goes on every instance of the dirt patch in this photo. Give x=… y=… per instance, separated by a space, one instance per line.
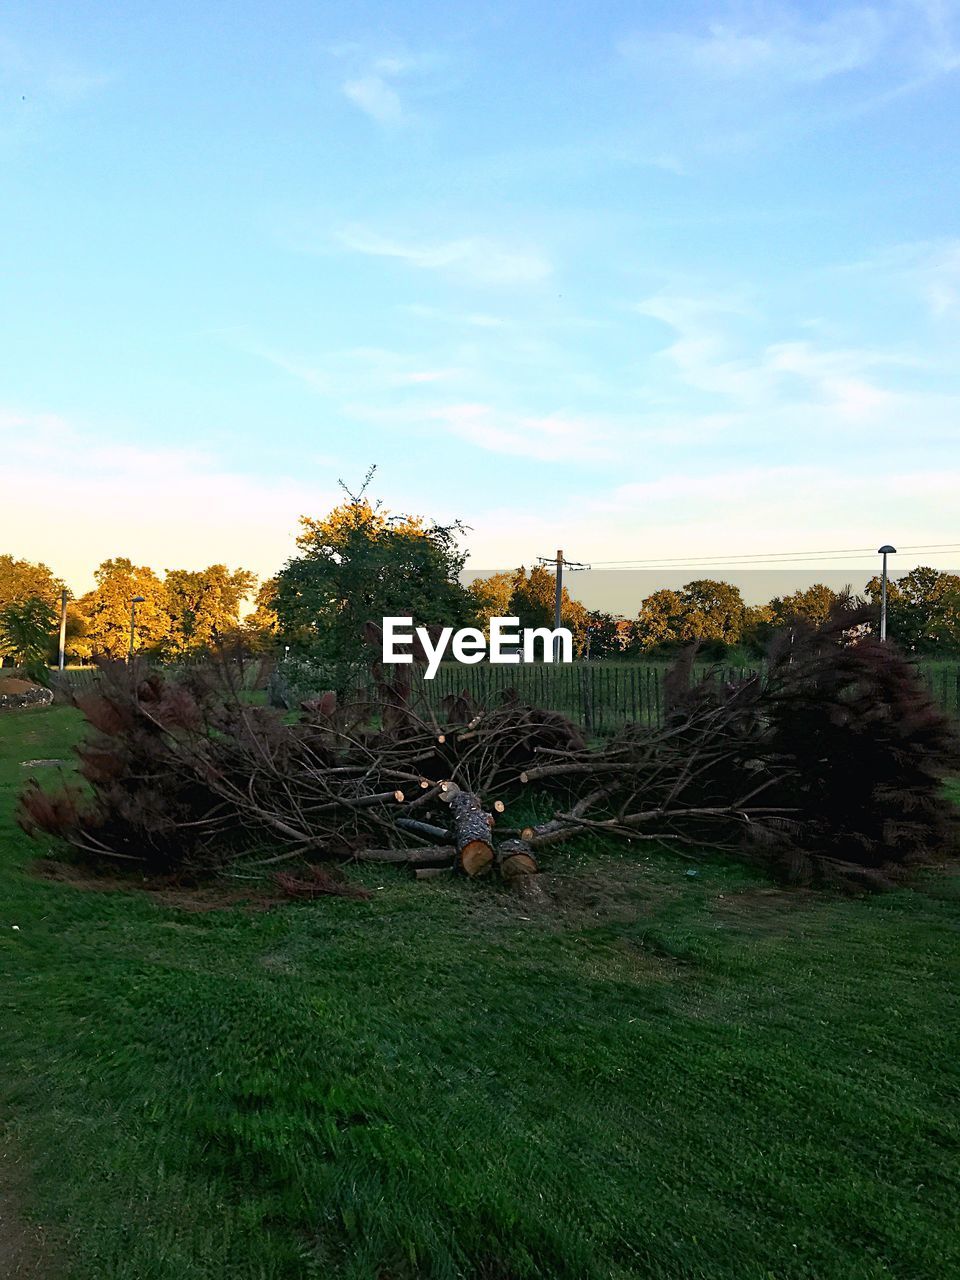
x=11 y=685
x=25 y=1250
x=165 y=892
x=611 y=895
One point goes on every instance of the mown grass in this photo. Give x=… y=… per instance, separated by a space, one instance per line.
x=664 y=1075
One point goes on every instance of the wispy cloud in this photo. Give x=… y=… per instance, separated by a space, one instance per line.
x=764 y=73
x=381 y=86
x=841 y=380
x=373 y=95
x=929 y=269
x=774 y=46
x=549 y=438
x=342 y=373
x=470 y=260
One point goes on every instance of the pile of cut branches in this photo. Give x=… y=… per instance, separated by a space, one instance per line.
x=829 y=766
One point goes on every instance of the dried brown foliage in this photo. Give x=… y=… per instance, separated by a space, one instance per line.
x=828 y=767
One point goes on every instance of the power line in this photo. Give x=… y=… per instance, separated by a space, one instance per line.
x=772 y=557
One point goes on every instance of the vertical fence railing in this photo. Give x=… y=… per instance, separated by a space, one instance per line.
x=601 y=697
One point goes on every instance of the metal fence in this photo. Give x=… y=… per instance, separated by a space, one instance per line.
x=600 y=696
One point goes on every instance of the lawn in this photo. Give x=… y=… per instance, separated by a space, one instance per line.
x=678 y=1071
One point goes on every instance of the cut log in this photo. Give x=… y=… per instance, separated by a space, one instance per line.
x=516 y=858
x=426 y=829
x=471 y=833
x=441 y=856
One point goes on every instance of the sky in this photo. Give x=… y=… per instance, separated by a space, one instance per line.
x=638 y=281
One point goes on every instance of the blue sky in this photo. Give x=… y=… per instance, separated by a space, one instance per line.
x=638 y=280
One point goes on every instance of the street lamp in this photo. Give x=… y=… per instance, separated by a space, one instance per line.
x=885 y=550
x=133 y=620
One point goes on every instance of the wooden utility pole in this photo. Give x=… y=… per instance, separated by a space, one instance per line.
x=559 y=562
x=558 y=601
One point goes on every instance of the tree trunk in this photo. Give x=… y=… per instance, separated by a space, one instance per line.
x=515 y=858
x=471 y=833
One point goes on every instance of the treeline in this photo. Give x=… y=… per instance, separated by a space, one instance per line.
x=923 y=614
x=359 y=563
x=178 y=613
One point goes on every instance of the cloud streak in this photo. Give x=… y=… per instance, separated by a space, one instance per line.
x=475 y=260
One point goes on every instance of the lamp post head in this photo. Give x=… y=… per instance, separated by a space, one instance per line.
x=887 y=550
x=138 y=599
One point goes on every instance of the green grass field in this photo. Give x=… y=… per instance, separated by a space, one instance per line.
x=665 y=1075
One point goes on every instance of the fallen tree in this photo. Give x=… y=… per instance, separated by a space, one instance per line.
x=829 y=766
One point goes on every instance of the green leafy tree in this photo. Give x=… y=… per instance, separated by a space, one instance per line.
x=204 y=605
x=107 y=609
x=25 y=630
x=359 y=564
x=603 y=635
x=712 y=610
x=923 y=609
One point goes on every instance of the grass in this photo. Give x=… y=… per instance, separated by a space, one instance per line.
x=667 y=1075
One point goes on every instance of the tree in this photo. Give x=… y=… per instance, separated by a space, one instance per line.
x=706 y=610
x=923 y=609
x=25 y=630
x=816 y=604
x=659 y=620
x=107 y=609
x=491 y=597
x=21 y=580
x=759 y=624
x=359 y=564
x=712 y=610
x=261 y=626
x=603 y=634
x=204 y=604
x=533 y=600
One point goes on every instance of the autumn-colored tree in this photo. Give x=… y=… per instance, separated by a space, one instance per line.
x=22 y=580
x=261 y=626
x=491 y=597
x=923 y=609
x=814 y=604
x=25 y=630
x=204 y=605
x=533 y=600
x=360 y=564
x=107 y=609
x=706 y=610
x=78 y=646
x=659 y=621
x=759 y=625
